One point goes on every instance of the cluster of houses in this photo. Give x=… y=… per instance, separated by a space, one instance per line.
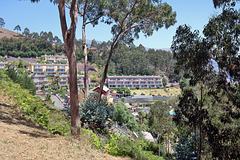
x=57 y=65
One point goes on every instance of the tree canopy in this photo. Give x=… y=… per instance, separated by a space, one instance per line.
x=210 y=105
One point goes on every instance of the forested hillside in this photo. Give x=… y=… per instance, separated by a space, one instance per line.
x=30 y=44
x=126 y=60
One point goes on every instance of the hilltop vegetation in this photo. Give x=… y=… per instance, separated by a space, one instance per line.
x=127 y=59
x=29 y=44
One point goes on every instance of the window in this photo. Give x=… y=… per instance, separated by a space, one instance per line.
x=49 y=66
x=143 y=82
x=119 y=82
x=49 y=70
x=112 y=79
x=38 y=70
x=61 y=66
x=128 y=79
x=120 y=79
x=38 y=66
x=111 y=82
x=127 y=82
x=135 y=82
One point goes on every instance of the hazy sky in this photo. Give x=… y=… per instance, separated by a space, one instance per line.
x=43 y=16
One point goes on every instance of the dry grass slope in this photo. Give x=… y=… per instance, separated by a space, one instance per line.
x=23 y=139
x=7 y=33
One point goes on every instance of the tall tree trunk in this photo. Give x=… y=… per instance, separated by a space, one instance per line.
x=159 y=145
x=69 y=37
x=86 y=82
x=105 y=74
x=75 y=116
x=200 y=122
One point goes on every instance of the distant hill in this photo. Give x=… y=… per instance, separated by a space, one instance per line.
x=7 y=33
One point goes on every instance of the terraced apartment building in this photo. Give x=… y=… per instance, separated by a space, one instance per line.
x=44 y=73
x=134 y=81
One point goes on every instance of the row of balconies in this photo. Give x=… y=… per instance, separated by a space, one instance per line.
x=158 y=82
x=135 y=86
x=134 y=79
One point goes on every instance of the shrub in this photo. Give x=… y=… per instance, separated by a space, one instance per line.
x=34 y=108
x=94 y=115
x=92 y=137
x=123 y=146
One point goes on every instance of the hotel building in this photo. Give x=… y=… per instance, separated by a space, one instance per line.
x=134 y=81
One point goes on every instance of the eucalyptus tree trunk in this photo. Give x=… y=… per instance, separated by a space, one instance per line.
x=69 y=37
x=159 y=145
x=105 y=74
x=86 y=82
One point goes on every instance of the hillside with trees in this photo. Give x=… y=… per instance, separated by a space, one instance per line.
x=125 y=60
x=29 y=44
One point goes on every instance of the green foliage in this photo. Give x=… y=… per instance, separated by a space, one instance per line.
x=31 y=45
x=123 y=115
x=21 y=76
x=92 y=137
x=94 y=115
x=48 y=97
x=211 y=110
x=123 y=146
x=164 y=81
x=159 y=118
x=124 y=90
x=33 y=107
x=2 y=23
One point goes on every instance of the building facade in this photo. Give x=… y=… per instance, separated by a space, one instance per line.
x=56 y=58
x=134 y=81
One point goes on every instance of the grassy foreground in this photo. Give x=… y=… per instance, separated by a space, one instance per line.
x=31 y=130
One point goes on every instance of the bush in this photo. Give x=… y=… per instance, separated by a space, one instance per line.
x=123 y=146
x=91 y=137
x=34 y=108
x=94 y=115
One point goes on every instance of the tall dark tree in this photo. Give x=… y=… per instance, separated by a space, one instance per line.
x=2 y=23
x=159 y=120
x=68 y=38
x=90 y=11
x=18 y=28
x=214 y=98
x=26 y=32
x=131 y=17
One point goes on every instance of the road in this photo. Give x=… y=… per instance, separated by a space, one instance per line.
x=58 y=104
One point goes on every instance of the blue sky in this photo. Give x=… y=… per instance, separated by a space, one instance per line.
x=43 y=16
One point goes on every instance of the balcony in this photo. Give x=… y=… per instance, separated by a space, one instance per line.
x=38 y=70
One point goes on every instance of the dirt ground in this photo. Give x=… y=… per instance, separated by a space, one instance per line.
x=22 y=139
